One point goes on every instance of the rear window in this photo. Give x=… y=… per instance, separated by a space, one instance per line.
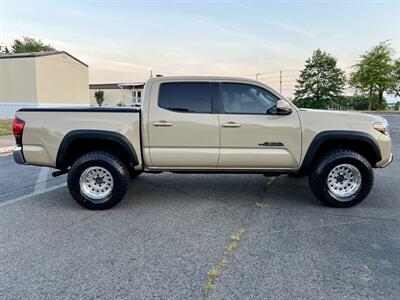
x=191 y=97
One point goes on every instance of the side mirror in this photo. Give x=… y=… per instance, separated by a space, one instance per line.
x=283 y=108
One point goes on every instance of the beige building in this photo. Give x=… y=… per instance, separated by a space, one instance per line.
x=126 y=94
x=42 y=79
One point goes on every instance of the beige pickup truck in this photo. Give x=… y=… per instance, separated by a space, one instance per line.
x=204 y=124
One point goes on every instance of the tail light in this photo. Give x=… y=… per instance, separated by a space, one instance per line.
x=18 y=128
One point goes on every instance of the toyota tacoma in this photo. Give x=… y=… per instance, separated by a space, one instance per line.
x=204 y=124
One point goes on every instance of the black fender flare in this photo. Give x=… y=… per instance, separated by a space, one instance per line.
x=348 y=135
x=105 y=135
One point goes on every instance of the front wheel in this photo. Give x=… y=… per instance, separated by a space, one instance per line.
x=342 y=178
x=98 y=180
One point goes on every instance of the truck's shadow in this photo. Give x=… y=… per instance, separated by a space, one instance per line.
x=226 y=189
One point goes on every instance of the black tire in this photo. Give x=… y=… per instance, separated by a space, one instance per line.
x=318 y=178
x=110 y=163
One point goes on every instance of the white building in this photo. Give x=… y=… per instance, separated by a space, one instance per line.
x=126 y=94
x=53 y=78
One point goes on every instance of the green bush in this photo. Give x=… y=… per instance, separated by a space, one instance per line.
x=5 y=127
x=360 y=102
x=99 y=95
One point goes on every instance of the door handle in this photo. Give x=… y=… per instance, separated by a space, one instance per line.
x=230 y=124
x=162 y=123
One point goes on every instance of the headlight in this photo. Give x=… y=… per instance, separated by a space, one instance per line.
x=382 y=127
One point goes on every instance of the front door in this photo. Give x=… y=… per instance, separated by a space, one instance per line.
x=252 y=134
x=183 y=128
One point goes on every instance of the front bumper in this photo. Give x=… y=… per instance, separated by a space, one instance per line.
x=18 y=155
x=385 y=164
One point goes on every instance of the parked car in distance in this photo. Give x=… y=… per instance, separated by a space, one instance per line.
x=204 y=124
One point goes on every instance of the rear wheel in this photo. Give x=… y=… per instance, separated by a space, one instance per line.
x=342 y=178
x=98 y=180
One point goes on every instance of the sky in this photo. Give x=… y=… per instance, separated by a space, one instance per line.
x=123 y=41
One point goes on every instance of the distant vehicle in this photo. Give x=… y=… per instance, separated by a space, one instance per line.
x=204 y=124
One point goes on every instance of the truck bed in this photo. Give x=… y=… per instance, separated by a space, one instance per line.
x=45 y=128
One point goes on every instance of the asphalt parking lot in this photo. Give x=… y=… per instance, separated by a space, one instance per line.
x=177 y=236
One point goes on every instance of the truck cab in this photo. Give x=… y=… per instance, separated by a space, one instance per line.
x=224 y=124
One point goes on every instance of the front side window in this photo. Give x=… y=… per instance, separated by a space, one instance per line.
x=239 y=98
x=192 y=97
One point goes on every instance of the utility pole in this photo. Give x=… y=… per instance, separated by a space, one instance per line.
x=280 y=82
x=151 y=73
x=257 y=76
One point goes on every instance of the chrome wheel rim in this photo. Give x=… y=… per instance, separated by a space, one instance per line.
x=96 y=183
x=344 y=181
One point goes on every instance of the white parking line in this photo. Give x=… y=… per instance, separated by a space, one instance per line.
x=33 y=194
x=6 y=150
x=41 y=180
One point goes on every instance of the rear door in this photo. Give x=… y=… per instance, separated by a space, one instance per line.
x=252 y=134
x=183 y=126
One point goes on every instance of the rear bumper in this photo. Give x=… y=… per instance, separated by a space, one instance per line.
x=18 y=155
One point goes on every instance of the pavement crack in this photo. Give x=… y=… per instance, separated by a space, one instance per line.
x=270 y=181
x=215 y=273
x=262 y=203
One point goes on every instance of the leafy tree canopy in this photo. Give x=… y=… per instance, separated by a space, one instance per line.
x=395 y=88
x=373 y=73
x=321 y=82
x=28 y=44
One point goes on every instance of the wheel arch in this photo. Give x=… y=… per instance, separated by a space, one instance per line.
x=360 y=142
x=78 y=142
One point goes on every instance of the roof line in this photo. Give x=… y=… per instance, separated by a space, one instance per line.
x=39 y=54
x=115 y=85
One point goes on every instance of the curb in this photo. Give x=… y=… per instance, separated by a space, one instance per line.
x=6 y=150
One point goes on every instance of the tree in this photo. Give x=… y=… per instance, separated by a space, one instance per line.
x=321 y=82
x=361 y=102
x=356 y=102
x=99 y=95
x=28 y=44
x=373 y=73
x=395 y=88
x=4 y=50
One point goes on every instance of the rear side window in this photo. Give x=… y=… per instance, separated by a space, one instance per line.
x=191 y=97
